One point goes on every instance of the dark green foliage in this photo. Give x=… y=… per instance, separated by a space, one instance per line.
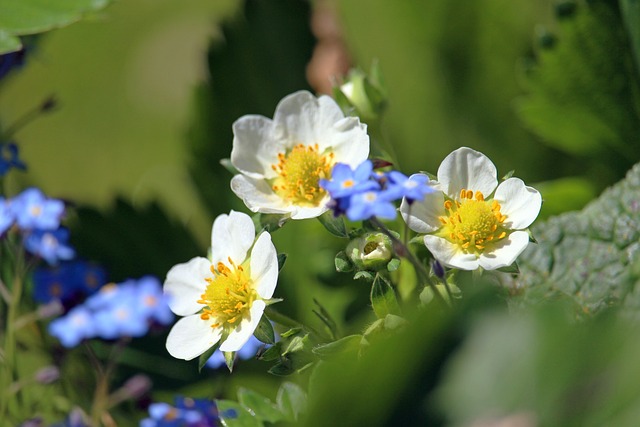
x=583 y=90
x=592 y=256
x=260 y=59
x=132 y=242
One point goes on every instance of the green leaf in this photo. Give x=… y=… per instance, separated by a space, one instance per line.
x=393 y=265
x=272 y=353
x=348 y=343
x=24 y=17
x=292 y=400
x=264 y=332
x=291 y=332
x=334 y=224
x=202 y=359
x=589 y=256
x=383 y=297
x=364 y=275
x=232 y=414
x=262 y=407
x=283 y=368
x=631 y=16
x=583 y=92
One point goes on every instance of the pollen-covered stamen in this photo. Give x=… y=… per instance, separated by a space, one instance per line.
x=228 y=296
x=472 y=222
x=299 y=172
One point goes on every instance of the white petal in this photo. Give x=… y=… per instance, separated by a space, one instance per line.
x=191 y=336
x=255 y=147
x=348 y=140
x=185 y=283
x=505 y=252
x=520 y=203
x=422 y=216
x=467 y=169
x=231 y=237
x=264 y=265
x=303 y=118
x=449 y=254
x=241 y=335
x=299 y=212
x=258 y=195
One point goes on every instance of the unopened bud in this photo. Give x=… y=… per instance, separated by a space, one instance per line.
x=437 y=269
x=371 y=251
x=136 y=386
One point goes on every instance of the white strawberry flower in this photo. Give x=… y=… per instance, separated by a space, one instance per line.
x=281 y=161
x=473 y=222
x=222 y=297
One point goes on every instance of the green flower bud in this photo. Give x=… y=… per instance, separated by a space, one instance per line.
x=365 y=93
x=371 y=251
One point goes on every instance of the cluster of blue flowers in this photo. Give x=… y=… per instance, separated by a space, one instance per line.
x=37 y=217
x=362 y=193
x=186 y=412
x=68 y=281
x=127 y=309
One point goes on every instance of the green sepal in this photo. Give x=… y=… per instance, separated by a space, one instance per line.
x=383 y=297
x=269 y=222
x=348 y=343
x=426 y=296
x=291 y=400
x=291 y=332
x=342 y=262
x=513 y=269
x=272 y=353
x=226 y=163
x=508 y=175
x=365 y=275
x=263 y=408
x=202 y=360
x=229 y=359
x=264 y=331
x=282 y=258
x=283 y=368
x=393 y=265
x=334 y=224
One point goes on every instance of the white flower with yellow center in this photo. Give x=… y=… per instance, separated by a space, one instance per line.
x=473 y=222
x=281 y=161
x=222 y=297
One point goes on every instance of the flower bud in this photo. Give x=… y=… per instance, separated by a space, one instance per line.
x=364 y=92
x=47 y=375
x=371 y=251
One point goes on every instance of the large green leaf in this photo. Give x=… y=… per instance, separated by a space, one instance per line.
x=591 y=256
x=583 y=91
x=23 y=17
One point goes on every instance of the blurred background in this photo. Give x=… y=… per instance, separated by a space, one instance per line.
x=147 y=92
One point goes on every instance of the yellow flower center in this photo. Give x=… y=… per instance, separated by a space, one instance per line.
x=228 y=296
x=299 y=173
x=472 y=223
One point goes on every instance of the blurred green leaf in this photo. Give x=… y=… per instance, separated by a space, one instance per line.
x=631 y=16
x=202 y=359
x=282 y=258
x=23 y=17
x=261 y=406
x=583 y=91
x=292 y=400
x=348 y=343
x=565 y=194
x=589 y=256
x=326 y=318
x=233 y=414
x=383 y=297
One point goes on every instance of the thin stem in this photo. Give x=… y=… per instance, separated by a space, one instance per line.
x=417 y=265
x=101 y=395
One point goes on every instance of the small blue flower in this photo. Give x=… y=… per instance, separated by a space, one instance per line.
x=74 y=327
x=345 y=182
x=187 y=412
x=365 y=205
x=76 y=278
x=9 y=158
x=50 y=245
x=411 y=188
x=152 y=301
x=121 y=320
x=32 y=209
